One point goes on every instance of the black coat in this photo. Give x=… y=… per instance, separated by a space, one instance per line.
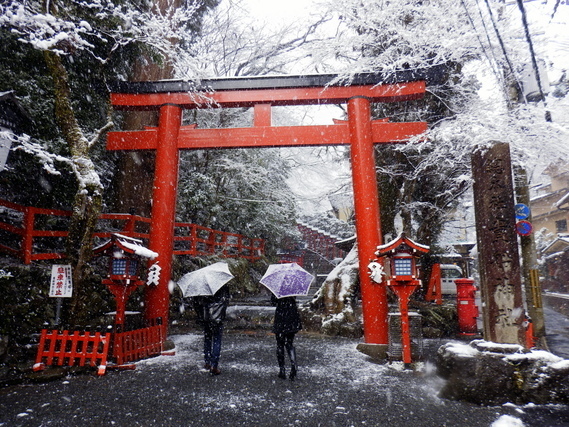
x=212 y=309
x=287 y=318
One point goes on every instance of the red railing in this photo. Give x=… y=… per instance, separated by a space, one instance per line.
x=138 y=344
x=320 y=242
x=37 y=224
x=72 y=349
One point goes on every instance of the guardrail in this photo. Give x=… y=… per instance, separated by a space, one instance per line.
x=39 y=234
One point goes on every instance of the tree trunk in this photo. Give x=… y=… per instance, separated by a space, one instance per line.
x=134 y=179
x=88 y=200
x=333 y=309
x=135 y=176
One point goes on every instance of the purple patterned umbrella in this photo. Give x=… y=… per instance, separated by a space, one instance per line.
x=286 y=280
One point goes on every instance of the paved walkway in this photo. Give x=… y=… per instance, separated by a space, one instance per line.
x=336 y=386
x=557 y=327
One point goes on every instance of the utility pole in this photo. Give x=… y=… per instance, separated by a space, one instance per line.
x=530 y=272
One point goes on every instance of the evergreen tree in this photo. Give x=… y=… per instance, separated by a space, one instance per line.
x=79 y=46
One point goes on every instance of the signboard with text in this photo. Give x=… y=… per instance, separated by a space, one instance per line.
x=61 y=285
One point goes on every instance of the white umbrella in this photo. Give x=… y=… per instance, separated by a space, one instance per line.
x=205 y=281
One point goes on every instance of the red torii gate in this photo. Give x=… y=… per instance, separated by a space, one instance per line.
x=170 y=98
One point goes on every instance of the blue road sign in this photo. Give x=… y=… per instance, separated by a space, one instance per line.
x=522 y=211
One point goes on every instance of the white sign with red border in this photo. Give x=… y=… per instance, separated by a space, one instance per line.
x=61 y=285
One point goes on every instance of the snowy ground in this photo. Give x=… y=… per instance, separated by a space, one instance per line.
x=336 y=386
x=557 y=327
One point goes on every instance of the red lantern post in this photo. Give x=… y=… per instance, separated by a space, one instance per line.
x=125 y=254
x=403 y=279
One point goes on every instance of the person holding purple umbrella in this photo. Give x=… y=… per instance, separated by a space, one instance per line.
x=285 y=326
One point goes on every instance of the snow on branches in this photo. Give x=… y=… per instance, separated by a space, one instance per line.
x=79 y=25
x=47 y=159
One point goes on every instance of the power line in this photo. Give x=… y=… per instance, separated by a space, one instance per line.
x=503 y=46
x=489 y=53
x=533 y=59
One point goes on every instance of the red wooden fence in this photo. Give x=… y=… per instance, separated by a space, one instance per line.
x=189 y=239
x=72 y=349
x=138 y=344
x=321 y=242
x=79 y=348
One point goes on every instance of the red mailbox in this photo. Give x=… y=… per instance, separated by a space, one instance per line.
x=466 y=307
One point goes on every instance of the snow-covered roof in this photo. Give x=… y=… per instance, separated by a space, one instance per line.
x=562 y=201
x=557 y=246
x=400 y=240
x=318 y=230
x=346 y=244
x=553 y=255
x=12 y=114
x=128 y=244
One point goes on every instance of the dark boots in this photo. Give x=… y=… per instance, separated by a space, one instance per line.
x=281 y=361
x=292 y=356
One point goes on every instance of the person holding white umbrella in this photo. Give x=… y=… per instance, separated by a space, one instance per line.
x=211 y=314
x=211 y=298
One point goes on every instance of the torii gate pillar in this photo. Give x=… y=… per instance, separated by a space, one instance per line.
x=157 y=298
x=368 y=224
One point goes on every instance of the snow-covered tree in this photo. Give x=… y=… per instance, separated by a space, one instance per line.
x=421 y=182
x=242 y=190
x=129 y=194
x=78 y=39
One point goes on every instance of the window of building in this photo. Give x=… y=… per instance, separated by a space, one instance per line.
x=561 y=225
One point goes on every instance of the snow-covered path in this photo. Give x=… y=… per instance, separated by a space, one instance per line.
x=336 y=386
x=557 y=328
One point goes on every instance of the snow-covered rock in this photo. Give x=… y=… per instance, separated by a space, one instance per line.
x=488 y=373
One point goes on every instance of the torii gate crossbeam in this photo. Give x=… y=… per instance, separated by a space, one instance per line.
x=170 y=98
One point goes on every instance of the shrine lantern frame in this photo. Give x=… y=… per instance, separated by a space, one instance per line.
x=401 y=257
x=402 y=277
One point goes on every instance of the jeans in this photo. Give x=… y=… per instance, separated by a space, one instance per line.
x=212 y=343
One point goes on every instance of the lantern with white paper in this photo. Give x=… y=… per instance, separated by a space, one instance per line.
x=125 y=258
